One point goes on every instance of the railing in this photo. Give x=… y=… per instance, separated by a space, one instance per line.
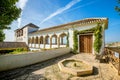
x=112 y=55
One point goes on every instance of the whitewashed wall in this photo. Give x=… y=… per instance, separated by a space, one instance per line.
x=19 y=60
x=69 y=29
x=71 y=42
x=103 y=42
x=54 y=46
x=80 y=28
x=49 y=33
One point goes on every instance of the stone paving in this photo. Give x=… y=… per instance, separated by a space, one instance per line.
x=48 y=70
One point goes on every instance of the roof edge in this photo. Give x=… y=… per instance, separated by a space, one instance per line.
x=104 y=19
x=30 y=24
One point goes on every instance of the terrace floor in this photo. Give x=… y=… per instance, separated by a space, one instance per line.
x=48 y=70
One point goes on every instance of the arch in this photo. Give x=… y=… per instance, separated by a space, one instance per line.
x=63 y=39
x=47 y=40
x=41 y=39
x=29 y=40
x=36 y=40
x=32 y=40
x=54 y=39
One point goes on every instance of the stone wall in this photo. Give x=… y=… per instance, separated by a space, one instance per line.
x=20 y=60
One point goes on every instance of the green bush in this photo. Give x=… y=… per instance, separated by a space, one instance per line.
x=98 y=38
x=19 y=49
x=13 y=50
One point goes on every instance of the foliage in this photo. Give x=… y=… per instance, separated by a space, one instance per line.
x=18 y=51
x=98 y=37
x=2 y=35
x=8 y=13
x=117 y=8
x=13 y=51
x=75 y=39
x=68 y=39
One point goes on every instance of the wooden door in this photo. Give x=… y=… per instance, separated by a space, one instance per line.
x=85 y=43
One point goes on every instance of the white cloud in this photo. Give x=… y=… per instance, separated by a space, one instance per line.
x=80 y=6
x=21 y=4
x=59 y=11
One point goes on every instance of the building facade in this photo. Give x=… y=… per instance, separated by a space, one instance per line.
x=63 y=35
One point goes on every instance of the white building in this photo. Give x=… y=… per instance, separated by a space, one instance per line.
x=63 y=35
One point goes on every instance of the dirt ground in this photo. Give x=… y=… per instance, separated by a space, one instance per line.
x=49 y=70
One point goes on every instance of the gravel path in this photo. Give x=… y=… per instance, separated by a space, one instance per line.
x=48 y=70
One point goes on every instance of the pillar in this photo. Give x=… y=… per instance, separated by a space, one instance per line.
x=55 y=40
x=39 y=42
x=51 y=42
x=62 y=40
x=58 y=41
x=34 y=42
x=44 y=42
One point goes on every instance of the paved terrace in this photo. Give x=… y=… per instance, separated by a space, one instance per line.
x=48 y=70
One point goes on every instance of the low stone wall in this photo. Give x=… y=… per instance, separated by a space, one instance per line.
x=19 y=60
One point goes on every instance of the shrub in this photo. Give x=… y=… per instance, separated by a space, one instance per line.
x=19 y=49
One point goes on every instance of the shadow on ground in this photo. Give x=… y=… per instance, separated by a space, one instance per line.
x=26 y=71
x=95 y=72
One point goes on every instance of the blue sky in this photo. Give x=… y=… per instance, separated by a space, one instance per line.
x=47 y=13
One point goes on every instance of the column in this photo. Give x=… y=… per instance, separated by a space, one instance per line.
x=39 y=41
x=58 y=41
x=35 y=42
x=44 y=42
x=61 y=40
x=55 y=40
x=50 y=41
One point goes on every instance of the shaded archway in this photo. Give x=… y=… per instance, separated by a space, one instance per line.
x=36 y=40
x=32 y=41
x=47 y=40
x=29 y=40
x=63 y=39
x=54 y=39
x=41 y=39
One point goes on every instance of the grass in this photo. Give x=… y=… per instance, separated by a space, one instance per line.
x=15 y=51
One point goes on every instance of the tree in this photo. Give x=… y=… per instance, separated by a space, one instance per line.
x=2 y=36
x=117 y=8
x=8 y=13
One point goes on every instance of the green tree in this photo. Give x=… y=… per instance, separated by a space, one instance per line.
x=117 y=8
x=2 y=36
x=8 y=13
